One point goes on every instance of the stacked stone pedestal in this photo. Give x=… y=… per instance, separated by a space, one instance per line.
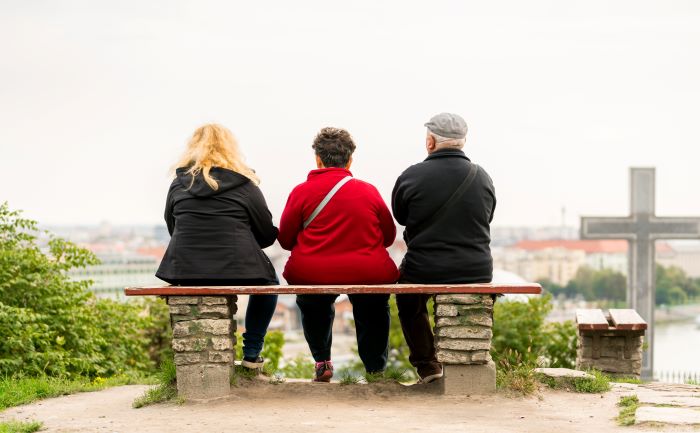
x=204 y=337
x=614 y=352
x=463 y=332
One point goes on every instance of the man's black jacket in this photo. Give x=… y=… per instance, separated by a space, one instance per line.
x=454 y=249
x=217 y=234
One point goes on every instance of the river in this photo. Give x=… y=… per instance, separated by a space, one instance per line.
x=677 y=348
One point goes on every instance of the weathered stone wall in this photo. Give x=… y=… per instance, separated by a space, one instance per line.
x=463 y=332
x=204 y=337
x=615 y=352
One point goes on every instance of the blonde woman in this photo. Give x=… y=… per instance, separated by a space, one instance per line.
x=219 y=222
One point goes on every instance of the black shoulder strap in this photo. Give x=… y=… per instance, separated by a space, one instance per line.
x=466 y=183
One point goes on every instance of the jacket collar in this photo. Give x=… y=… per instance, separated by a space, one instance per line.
x=331 y=170
x=442 y=153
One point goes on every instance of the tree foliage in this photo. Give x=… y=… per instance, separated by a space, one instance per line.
x=673 y=286
x=51 y=325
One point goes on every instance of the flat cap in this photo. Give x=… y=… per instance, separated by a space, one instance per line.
x=448 y=125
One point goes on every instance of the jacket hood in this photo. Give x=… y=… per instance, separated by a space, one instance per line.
x=227 y=179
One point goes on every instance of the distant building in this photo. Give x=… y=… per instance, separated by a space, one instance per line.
x=685 y=255
x=559 y=259
x=117 y=271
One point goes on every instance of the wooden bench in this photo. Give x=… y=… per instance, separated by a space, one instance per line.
x=610 y=343
x=204 y=331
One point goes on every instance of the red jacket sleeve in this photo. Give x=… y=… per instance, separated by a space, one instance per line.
x=290 y=222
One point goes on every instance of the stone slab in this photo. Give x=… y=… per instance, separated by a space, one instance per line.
x=673 y=400
x=464 y=332
x=469 y=379
x=667 y=415
x=464 y=299
x=557 y=373
x=203 y=381
x=463 y=344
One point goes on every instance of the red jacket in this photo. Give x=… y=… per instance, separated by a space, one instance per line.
x=346 y=243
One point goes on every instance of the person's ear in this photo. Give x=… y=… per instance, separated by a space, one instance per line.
x=430 y=143
x=347 y=166
x=319 y=163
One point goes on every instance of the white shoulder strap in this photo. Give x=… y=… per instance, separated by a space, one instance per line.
x=326 y=199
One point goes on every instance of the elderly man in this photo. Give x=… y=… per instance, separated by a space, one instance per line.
x=446 y=203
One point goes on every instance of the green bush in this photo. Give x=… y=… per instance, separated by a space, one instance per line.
x=521 y=335
x=52 y=326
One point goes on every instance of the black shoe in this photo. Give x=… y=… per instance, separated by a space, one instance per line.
x=253 y=363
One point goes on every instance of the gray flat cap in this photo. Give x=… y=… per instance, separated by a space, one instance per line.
x=448 y=125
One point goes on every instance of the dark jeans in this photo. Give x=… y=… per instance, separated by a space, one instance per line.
x=371 y=313
x=257 y=316
x=415 y=323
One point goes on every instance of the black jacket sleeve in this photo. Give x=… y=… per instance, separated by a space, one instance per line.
x=169 y=217
x=261 y=224
x=398 y=207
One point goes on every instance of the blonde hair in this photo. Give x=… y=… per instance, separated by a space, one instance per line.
x=213 y=145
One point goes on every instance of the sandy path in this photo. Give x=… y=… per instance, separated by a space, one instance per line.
x=306 y=408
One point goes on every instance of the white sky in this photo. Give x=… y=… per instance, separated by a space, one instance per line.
x=98 y=98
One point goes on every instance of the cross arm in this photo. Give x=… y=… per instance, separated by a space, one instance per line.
x=608 y=228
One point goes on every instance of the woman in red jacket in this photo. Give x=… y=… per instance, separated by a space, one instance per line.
x=338 y=229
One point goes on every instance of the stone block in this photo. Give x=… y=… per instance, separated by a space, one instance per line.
x=224 y=356
x=464 y=332
x=221 y=343
x=180 y=309
x=463 y=344
x=221 y=311
x=203 y=381
x=446 y=310
x=475 y=317
x=183 y=300
x=632 y=367
x=214 y=300
x=463 y=357
x=187 y=358
x=464 y=299
x=194 y=328
x=469 y=379
x=189 y=344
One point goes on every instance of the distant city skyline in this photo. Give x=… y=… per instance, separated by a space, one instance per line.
x=97 y=99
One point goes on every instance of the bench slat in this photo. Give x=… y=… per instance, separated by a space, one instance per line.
x=591 y=319
x=336 y=289
x=627 y=319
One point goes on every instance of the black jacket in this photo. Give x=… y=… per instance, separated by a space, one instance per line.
x=455 y=249
x=217 y=234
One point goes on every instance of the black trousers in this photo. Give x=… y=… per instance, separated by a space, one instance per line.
x=415 y=323
x=371 y=313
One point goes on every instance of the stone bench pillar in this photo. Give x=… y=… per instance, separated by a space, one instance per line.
x=204 y=337
x=463 y=332
x=611 y=347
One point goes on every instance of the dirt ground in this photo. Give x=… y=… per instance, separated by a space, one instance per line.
x=305 y=407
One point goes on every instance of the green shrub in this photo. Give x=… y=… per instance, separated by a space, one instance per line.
x=520 y=333
x=300 y=367
x=52 y=326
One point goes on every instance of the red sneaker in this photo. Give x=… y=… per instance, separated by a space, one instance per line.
x=324 y=371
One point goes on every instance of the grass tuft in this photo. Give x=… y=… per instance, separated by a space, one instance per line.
x=598 y=384
x=347 y=378
x=628 y=408
x=627 y=379
x=166 y=390
x=396 y=374
x=20 y=426
x=18 y=390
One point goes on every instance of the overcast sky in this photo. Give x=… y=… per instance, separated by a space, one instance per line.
x=98 y=98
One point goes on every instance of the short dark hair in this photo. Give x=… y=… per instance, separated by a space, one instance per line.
x=334 y=146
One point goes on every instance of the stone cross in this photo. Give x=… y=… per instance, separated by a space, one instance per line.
x=641 y=229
